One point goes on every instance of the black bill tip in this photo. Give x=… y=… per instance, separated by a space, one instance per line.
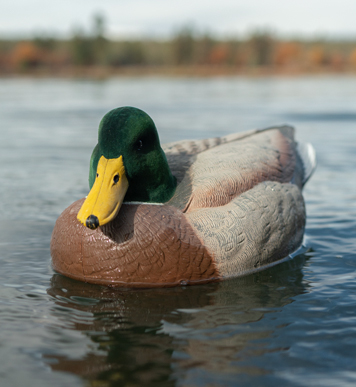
x=92 y=222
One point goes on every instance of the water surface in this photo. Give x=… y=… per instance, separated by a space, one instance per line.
x=293 y=324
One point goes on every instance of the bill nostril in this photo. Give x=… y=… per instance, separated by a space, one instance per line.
x=92 y=222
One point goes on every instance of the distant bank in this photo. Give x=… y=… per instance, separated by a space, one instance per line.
x=186 y=54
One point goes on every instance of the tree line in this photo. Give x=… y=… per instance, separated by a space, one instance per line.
x=185 y=50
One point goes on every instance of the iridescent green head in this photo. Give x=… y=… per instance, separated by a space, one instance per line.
x=128 y=155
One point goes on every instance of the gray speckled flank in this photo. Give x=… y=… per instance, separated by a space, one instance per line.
x=261 y=226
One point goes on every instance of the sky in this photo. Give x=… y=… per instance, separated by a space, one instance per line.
x=162 y=18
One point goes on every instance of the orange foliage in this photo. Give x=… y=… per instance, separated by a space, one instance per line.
x=352 y=58
x=218 y=54
x=337 y=60
x=25 y=54
x=286 y=53
x=316 y=56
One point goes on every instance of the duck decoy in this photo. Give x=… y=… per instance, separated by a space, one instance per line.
x=188 y=212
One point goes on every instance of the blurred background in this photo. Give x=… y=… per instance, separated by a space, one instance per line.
x=222 y=37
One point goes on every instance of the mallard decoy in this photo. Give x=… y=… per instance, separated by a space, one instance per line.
x=186 y=213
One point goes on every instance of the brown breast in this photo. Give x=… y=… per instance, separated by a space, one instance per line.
x=146 y=245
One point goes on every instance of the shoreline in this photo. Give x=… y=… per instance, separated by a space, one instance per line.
x=97 y=72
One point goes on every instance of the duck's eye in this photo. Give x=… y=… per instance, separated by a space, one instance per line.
x=116 y=179
x=139 y=144
x=97 y=175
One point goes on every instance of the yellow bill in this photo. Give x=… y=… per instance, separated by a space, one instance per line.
x=107 y=194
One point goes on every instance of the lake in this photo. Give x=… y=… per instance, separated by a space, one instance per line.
x=293 y=324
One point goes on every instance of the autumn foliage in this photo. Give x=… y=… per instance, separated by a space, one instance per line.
x=186 y=50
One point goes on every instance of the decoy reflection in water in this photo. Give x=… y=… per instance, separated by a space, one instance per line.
x=134 y=334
